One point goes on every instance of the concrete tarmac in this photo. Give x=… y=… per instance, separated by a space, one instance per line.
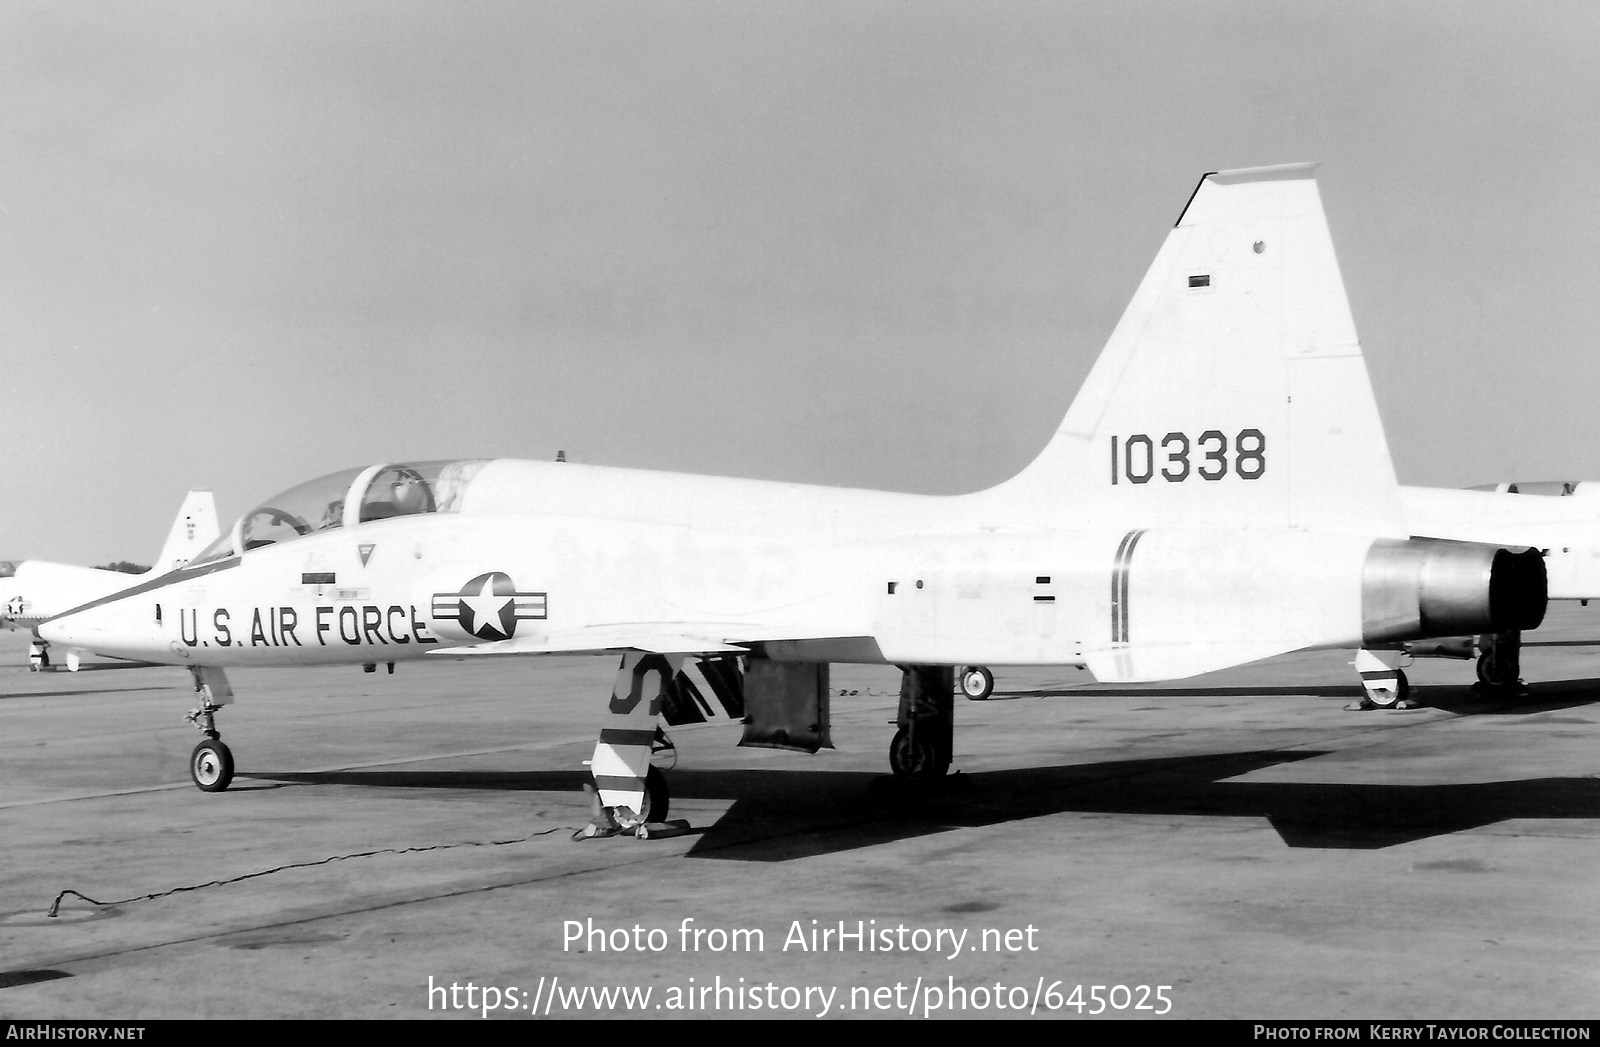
x=1235 y=846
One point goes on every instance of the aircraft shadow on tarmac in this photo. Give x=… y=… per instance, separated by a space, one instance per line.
x=1545 y=696
x=760 y=826
x=784 y=815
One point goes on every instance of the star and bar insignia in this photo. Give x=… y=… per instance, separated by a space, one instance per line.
x=489 y=607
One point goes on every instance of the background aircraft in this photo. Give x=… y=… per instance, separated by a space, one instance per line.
x=1219 y=491
x=1559 y=518
x=33 y=590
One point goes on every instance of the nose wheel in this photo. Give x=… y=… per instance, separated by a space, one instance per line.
x=211 y=765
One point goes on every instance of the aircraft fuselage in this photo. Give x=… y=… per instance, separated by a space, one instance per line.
x=926 y=580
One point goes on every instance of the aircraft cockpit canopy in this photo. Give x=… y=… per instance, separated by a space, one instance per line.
x=346 y=499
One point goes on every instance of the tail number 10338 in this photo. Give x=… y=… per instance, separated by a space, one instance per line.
x=1176 y=457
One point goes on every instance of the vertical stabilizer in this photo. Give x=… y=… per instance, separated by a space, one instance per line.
x=194 y=528
x=1233 y=391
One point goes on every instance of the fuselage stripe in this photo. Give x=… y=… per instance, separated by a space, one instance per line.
x=1119 y=586
x=182 y=574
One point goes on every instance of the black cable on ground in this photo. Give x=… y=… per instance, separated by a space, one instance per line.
x=56 y=905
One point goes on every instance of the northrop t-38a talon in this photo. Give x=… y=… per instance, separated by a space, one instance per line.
x=1560 y=518
x=1219 y=491
x=34 y=590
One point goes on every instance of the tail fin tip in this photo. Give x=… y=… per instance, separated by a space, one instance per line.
x=1240 y=175
x=192 y=530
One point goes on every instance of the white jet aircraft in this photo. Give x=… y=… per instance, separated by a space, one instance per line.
x=34 y=590
x=1219 y=491
x=1560 y=518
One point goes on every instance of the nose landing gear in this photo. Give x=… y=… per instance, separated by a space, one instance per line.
x=211 y=762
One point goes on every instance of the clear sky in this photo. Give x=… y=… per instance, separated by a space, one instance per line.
x=863 y=243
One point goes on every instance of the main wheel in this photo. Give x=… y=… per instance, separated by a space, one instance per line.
x=1389 y=699
x=211 y=766
x=915 y=761
x=1495 y=671
x=657 y=798
x=977 y=683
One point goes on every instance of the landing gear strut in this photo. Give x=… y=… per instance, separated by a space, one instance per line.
x=922 y=747
x=211 y=762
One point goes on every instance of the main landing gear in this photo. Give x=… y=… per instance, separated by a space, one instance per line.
x=1384 y=684
x=211 y=762
x=630 y=796
x=922 y=748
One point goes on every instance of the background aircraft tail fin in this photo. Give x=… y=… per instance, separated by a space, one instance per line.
x=1233 y=390
x=194 y=528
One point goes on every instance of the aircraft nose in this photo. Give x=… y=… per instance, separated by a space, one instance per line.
x=56 y=630
x=92 y=628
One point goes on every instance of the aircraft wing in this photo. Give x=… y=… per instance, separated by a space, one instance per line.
x=1109 y=665
x=683 y=639
x=654 y=638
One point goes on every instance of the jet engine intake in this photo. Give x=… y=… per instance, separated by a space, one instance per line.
x=1430 y=587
